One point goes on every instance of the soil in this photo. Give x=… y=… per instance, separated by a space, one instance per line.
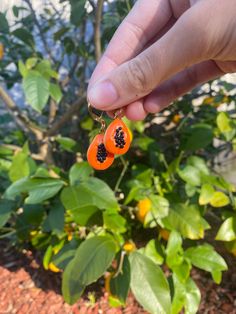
x=26 y=288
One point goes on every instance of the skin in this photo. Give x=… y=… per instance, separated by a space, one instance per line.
x=161 y=51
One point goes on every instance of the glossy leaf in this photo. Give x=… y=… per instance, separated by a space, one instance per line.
x=36 y=89
x=93 y=192
x=79 y=172
x=206 y=194
x=39 y=189
x=20 y=165
x=186 y=220
x=149 y=285
x=92 y=259
x=219 y=199
x=66 y=143
x=120 y=284
x=227 y=231
x=191 y=175
x=206 y=258
x=6 y=208
x=154 y=251
x=55 y=92
x=114 y=222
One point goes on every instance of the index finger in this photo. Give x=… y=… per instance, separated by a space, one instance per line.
x=140 y=25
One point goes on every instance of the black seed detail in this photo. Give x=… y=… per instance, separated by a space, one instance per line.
x=119 y=138
x=101 y=153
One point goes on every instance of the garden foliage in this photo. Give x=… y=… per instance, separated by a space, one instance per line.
x=155 y=214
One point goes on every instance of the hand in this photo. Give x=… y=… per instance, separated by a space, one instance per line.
x=161 y=51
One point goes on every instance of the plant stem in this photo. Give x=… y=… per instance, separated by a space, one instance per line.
x=125 y=167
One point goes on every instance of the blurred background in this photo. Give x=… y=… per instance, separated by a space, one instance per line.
x=48 y=50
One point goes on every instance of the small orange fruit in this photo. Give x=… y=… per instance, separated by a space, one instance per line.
x=144 y=207
x=129 y=246
x=164 y=234
x=176 y=118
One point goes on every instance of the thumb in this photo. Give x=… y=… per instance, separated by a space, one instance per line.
x=183 y=45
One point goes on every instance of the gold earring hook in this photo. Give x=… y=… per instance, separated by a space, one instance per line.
x=118 y=113
x=97 y=118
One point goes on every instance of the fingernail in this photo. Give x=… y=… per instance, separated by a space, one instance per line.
x=102 y=94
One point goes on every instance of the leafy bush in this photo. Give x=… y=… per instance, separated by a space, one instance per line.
x=150 y=211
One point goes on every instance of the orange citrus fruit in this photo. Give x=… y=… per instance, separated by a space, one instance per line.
x=144 y=207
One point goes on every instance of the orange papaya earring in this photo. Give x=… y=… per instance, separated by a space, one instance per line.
x=97 y=155
x=117 y=138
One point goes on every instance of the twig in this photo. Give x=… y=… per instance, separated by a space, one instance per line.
x=66 y=117
x=40 y=31
x=125 y=167
x=22 y=120
x=97 y=30
x=26 y=125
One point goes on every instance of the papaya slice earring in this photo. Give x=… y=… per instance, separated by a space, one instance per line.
x=117 y=138
x=97 y=155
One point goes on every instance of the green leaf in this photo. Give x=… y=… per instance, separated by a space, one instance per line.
x=68 y=144
x=55 y=219
x=86 y=216
x=55 y=92
x=24 y=35
x=78 y=11
x=206 y=258
x=33 y=214
x=66 y=254
x=39 y=189
x=22 y=68
x=4 y=27
x=190 y=190
x=80 y=172
x=191 y=175
x=185 y=219
x=198 y=163
x=159 y=209
x=193 y=297
x=92 y=259
x=219 y=199
x=93 y=192
x=186 y=295
x=198 y=136
x=20 y=165
x=227 y=231
x=174 y=251
x=179 y=298
x=36 y=89
x=114 y=222
x=44 y=68
x=47 y=257
x=154 y=251
x=206 y=194
x=149 y=284
x=120 y=284
x=30 y=63
x=6 y=208
x=223 y=122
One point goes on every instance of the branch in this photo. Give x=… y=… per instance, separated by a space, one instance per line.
x=40 y=31
x=26 y=125
x=22 y=120
x=97 y=30
x=66 y=117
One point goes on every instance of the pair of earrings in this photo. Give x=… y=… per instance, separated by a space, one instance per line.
x=115 y=140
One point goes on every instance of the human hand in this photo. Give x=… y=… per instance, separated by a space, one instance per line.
x=161 y=51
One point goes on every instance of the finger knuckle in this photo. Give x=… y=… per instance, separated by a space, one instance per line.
x=137 y=75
